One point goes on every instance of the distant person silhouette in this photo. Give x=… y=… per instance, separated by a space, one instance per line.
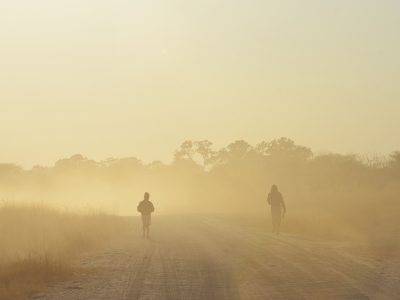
x=278 y=208
x=145 y=207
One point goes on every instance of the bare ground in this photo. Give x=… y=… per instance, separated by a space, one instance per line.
x=195 y=257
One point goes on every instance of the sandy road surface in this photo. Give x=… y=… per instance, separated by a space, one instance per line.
x=209 y=258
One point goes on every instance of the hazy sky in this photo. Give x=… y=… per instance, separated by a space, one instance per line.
x=135 y=78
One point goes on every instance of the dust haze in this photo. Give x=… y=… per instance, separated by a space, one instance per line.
x=245 y=123
x=326 y=194
x=60 y=224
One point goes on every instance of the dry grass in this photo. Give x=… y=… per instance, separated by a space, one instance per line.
x=29 y=276
x=382 y=236
x=38 y=243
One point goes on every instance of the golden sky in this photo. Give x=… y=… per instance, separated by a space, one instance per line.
x=135 y=78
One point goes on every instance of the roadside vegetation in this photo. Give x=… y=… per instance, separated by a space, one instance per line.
x=38 y=245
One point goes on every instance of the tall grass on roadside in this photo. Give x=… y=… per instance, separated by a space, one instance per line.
x=37 y=244
x=380 y=234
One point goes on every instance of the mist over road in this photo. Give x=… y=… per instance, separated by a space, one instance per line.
x=193 y=257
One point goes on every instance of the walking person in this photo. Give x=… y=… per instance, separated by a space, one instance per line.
x=146 y=208
x=278 y=208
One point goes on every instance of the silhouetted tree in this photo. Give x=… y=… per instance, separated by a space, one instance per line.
x=234 y=152
x=284 y=148
x=75 y=162
x=10 y=172
x=203 y=148
x=185 y=152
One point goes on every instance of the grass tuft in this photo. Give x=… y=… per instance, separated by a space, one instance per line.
x=38 y=244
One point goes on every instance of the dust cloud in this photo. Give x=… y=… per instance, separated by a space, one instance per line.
x=327 y=195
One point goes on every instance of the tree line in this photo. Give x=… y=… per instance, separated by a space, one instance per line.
x=234 y=179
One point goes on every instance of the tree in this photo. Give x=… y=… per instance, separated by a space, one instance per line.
x=9 y=172
x=284 y=148
x=76 y=162
x=203 y=148
x=234 y=152
x=185 y=152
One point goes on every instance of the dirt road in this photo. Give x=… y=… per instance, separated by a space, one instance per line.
x=210 y=258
